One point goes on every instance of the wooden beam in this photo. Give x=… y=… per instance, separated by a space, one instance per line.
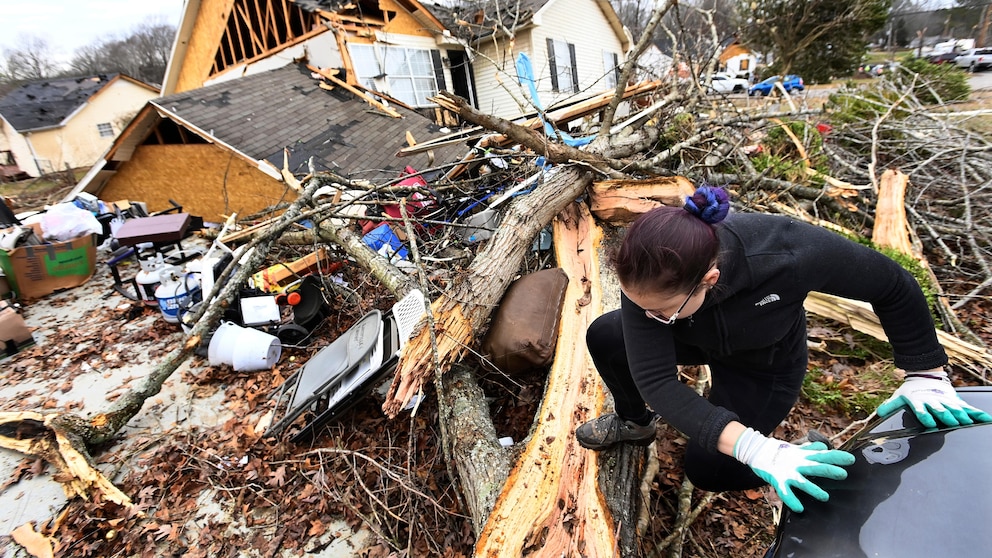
x=271 y=28
x=286 y=21
x=245 y=54
x=361 y=95
x=267 y=53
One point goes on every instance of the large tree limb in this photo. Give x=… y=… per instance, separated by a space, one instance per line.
x=551 y=504
x=464 y=309
x=552 y=151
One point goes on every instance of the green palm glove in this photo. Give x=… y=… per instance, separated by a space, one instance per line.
x=785 y=466
x=930 y=396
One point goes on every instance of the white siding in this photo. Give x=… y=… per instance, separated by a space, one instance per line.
x=493 y=65
x=579 y=22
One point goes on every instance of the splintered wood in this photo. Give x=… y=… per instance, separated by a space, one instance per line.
x=891 y=226
x=622 y=201
x=551 y=504
x=39 y=435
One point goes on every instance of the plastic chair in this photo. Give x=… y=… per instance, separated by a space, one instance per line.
x=344 y=372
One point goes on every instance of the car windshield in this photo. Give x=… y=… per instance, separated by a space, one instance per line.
x=772 y=79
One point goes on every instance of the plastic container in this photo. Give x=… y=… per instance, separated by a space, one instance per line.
x=221 y=349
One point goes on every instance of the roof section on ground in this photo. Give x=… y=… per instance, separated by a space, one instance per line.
x=47 y=103
x=263 y=114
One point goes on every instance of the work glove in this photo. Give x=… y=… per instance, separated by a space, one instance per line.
x=785 y=466
x=930 y=396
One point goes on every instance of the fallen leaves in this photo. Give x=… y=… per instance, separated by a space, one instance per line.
x=34 y=543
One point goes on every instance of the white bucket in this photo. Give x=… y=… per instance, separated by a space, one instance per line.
x=255 y=350
x=221 y=348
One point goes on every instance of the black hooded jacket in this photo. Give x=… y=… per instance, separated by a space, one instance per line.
x=754 y=318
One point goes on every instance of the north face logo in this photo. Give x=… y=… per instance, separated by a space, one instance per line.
x=768 y=299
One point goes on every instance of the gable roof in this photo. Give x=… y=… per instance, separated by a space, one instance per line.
x=261 y=115
x=49 y=103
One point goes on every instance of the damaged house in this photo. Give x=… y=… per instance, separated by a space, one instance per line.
x=576 y=48
x=349 y=83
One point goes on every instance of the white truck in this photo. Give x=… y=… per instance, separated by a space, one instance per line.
x=724 y=83
x=975 y=59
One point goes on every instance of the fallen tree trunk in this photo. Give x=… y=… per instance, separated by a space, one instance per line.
x=551 y=504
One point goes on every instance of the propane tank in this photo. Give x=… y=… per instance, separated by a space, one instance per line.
x=148 y=279
x=175 y=292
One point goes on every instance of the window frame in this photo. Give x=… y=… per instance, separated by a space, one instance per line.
x=105 y=129
x=389 y=82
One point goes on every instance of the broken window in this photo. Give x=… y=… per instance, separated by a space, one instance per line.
x=105 y=129
x=411 y=75
x=561 y=59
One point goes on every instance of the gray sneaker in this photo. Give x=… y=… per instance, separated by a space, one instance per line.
x=609 y=430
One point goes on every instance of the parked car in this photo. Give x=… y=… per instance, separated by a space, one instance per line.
x=723 y=83
x=912 y=492
x=942 y=57
x=975 y=59
x=791 y=82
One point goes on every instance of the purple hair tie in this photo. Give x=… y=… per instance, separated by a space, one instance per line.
x=709 y=203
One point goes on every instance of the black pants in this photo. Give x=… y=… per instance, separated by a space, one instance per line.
x=761 y=399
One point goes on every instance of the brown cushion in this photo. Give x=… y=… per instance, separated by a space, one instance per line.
x=524 y=329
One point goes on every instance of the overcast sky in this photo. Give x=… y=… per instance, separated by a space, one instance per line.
x=70 y=24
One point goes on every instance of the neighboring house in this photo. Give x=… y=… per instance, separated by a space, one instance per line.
x=66 y=123
x=737 y=60
x=219 y=149
x=577 y=47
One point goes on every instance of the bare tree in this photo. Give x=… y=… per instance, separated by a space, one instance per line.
x=143 y=54
x=33 y=58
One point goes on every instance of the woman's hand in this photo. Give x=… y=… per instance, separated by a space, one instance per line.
x=785 y=466
x=932 y=398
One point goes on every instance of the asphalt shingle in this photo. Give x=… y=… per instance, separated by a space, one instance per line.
x=263 y=114
x=47 y=103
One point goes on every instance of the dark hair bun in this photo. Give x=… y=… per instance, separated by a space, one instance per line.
x=709 y=203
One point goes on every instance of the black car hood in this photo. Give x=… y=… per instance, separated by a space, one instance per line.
x=911 y=492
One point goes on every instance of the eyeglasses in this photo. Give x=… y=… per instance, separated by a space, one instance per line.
x=675 y=316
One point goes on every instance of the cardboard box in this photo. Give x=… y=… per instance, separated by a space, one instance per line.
x=14 y=332
x=37 y=271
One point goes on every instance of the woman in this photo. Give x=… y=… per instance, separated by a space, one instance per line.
x=698 y=289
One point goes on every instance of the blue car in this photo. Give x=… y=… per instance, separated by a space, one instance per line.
x=791 y=83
